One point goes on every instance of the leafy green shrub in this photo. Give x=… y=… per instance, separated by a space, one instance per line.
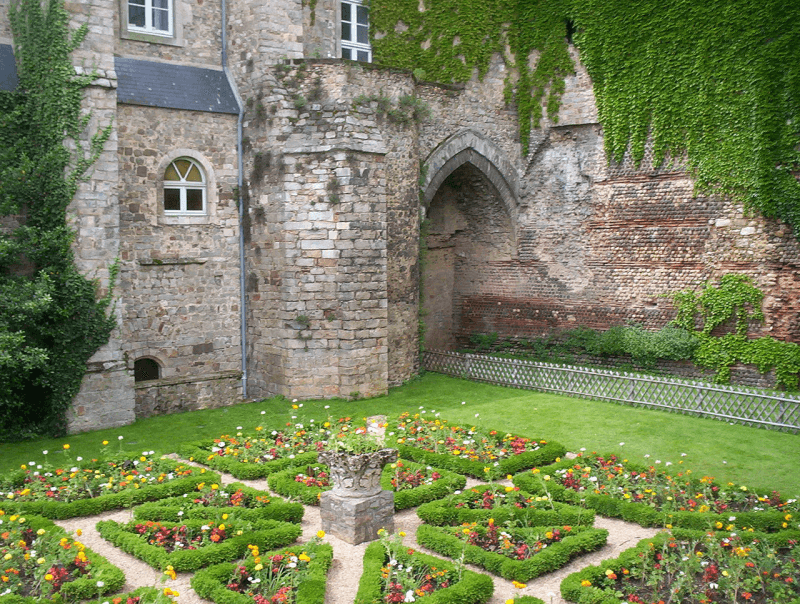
x=210 y=583
x=579 y=540
x=198 y=451
x=266 y=534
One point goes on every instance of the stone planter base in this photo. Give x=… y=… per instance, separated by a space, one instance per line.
x=357 y=519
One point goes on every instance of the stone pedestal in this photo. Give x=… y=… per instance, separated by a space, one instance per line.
x=357 y=519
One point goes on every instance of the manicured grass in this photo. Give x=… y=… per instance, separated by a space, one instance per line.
x=761 y=459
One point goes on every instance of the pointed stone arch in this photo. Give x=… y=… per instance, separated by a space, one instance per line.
x=469 y=146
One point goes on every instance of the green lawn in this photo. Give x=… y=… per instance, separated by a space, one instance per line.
x=761 y=459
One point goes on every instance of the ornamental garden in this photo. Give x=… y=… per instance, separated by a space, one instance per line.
x=492 y=504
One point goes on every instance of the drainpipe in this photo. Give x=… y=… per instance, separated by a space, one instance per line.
x=240 y=201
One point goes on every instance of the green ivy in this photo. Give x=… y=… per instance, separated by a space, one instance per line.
x=50 y=319
x=715 y=80
x=451 y=39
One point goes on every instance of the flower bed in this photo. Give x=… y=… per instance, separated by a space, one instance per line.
x=513 y=553
x=650 y=497
x=393 y=573
x=194 y=544
x=411 y=482
x=210 y=500
x=693 y=567
x=478 y=453
x=39 y=560
x=494 y=501
x=297 y=574
x=251 y=457
x=88 y=489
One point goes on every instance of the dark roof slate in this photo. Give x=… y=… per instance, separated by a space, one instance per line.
x=8 y=68
x=173 y=86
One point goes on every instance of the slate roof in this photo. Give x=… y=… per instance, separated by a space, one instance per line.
x=173 y=86
x=8 y=68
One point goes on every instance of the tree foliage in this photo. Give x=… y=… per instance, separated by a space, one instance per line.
x=51 y=321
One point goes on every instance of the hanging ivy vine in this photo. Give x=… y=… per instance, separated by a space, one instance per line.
x=715 y=80
x=50 y=319
x=449 y=40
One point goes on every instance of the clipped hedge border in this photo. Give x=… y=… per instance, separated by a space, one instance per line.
x=266 y=534
x=473 y=588
x=573 y=591
x=444 y=513
x=168 y=509
x=82 y=588
x=642 y=513
x=60 y=510
x=198 y=452
x=546 y=454
x=580 y=540
x=210 y=583
x=283 y=482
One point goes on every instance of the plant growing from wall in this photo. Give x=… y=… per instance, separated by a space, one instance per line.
x=449 y=39
x=51 y=321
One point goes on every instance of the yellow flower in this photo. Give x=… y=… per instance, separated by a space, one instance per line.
x=402 y=533
x=48 y=577
x=105 y=442
x=304 y=557
x=41 y=561
x=320 y=534
x=214 y=487
x=586 y=583
x=79 y=532
x=224 y=516
x=510 y=601
x=170 y=572
x=259 y=566
x=518 y=585
x=66 y=447
x=40 y=532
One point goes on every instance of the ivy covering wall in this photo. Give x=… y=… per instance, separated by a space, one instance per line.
x=717 y=81
x=51 y=321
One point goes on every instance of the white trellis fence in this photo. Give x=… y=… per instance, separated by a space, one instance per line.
x=750 y=406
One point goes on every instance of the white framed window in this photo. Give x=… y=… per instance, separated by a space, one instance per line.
x=355 y=31
x=150 y=17
x=184 y=188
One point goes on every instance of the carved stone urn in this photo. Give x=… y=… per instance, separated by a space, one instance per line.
x=357 y=475
x=356 y=508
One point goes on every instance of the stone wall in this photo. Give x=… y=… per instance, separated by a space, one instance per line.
x=179 y=277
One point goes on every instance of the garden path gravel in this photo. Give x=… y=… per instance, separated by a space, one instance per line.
x=347 y=564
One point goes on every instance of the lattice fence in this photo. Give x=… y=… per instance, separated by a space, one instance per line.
x=750 y=406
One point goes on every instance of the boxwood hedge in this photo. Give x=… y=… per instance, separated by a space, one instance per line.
x=199 y=453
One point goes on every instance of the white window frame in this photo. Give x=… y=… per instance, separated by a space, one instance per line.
x=148 y=19
x=352 y=44
x=183 y=186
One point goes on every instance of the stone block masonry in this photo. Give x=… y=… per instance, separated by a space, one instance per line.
x=357 y=519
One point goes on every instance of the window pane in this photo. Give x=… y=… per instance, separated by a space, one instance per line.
x=347 y=54
x=135 y=15
x=363 y=55
x=172 y=199
x=194 y=175
x=363 y=34
x=362 y=14
x=160 y=19
x=346 y=34
x=182 y=165
x=171 y=173
x=194 y=200
x=346 y=12
x=161 y=4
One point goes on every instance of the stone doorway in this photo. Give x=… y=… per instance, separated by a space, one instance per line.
x=470 y=236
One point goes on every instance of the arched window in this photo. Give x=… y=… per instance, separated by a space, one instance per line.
x=184 y=188
x=145 y=369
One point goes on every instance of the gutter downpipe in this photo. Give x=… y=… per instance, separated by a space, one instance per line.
x=239 y=201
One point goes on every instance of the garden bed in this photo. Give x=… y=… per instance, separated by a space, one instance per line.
x=696 y=567
x=483 y=454
x=393 y=573
x=517 y=554
x=651 y=497
x=228 y=583
x=412 y=483
x=193 y=544
x=89 y=489
x=239 y=501
x=478 y=504
x=39 y=560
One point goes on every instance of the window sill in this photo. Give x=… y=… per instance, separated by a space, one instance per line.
x=151 y=38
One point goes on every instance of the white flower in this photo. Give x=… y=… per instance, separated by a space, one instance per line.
x=327 y=406
x=44 y=452
x=463 y=402
x=477 y=414
x=294 y=400
x=263 y=413
x=120 y=437
x=79 y=458
x=238 y=427
x=100 y=584
x=409 y=596
x=180 y=513
x=683 y=454
x=647 y=456
x=669 y=463
x=621 y=444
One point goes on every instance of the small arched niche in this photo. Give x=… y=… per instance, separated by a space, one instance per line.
x=146 y=369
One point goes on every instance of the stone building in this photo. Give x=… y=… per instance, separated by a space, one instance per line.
x=267 y=213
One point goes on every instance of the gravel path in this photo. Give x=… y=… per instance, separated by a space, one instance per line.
x=347 y=563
